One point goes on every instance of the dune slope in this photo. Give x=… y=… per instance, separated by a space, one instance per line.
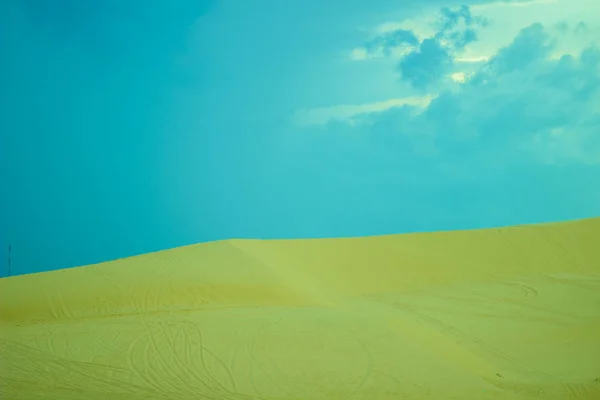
x=511 y=313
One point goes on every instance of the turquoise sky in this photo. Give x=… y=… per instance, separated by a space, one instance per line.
x=129 y=127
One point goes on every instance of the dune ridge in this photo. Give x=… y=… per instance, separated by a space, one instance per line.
x=506 y=313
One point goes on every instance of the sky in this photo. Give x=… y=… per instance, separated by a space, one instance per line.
x=129 y=127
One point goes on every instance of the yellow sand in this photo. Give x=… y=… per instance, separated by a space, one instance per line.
x=510 y=313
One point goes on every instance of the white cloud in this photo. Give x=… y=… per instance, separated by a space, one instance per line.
x=479 y=59
x=346 y=112
x=359 y=54
x=459 y=77
x=513 y=4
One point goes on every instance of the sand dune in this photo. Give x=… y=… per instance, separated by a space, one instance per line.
x=511 y=313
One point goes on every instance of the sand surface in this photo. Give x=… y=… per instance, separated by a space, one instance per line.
x=510 y=313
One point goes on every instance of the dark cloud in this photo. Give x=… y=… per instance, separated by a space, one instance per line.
x=433 y=59
x=461 y=39
x=450 y=19
x=456 y=29
x=532 y=44
x=521 y=112
x=459 y=27
x=427 y=64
